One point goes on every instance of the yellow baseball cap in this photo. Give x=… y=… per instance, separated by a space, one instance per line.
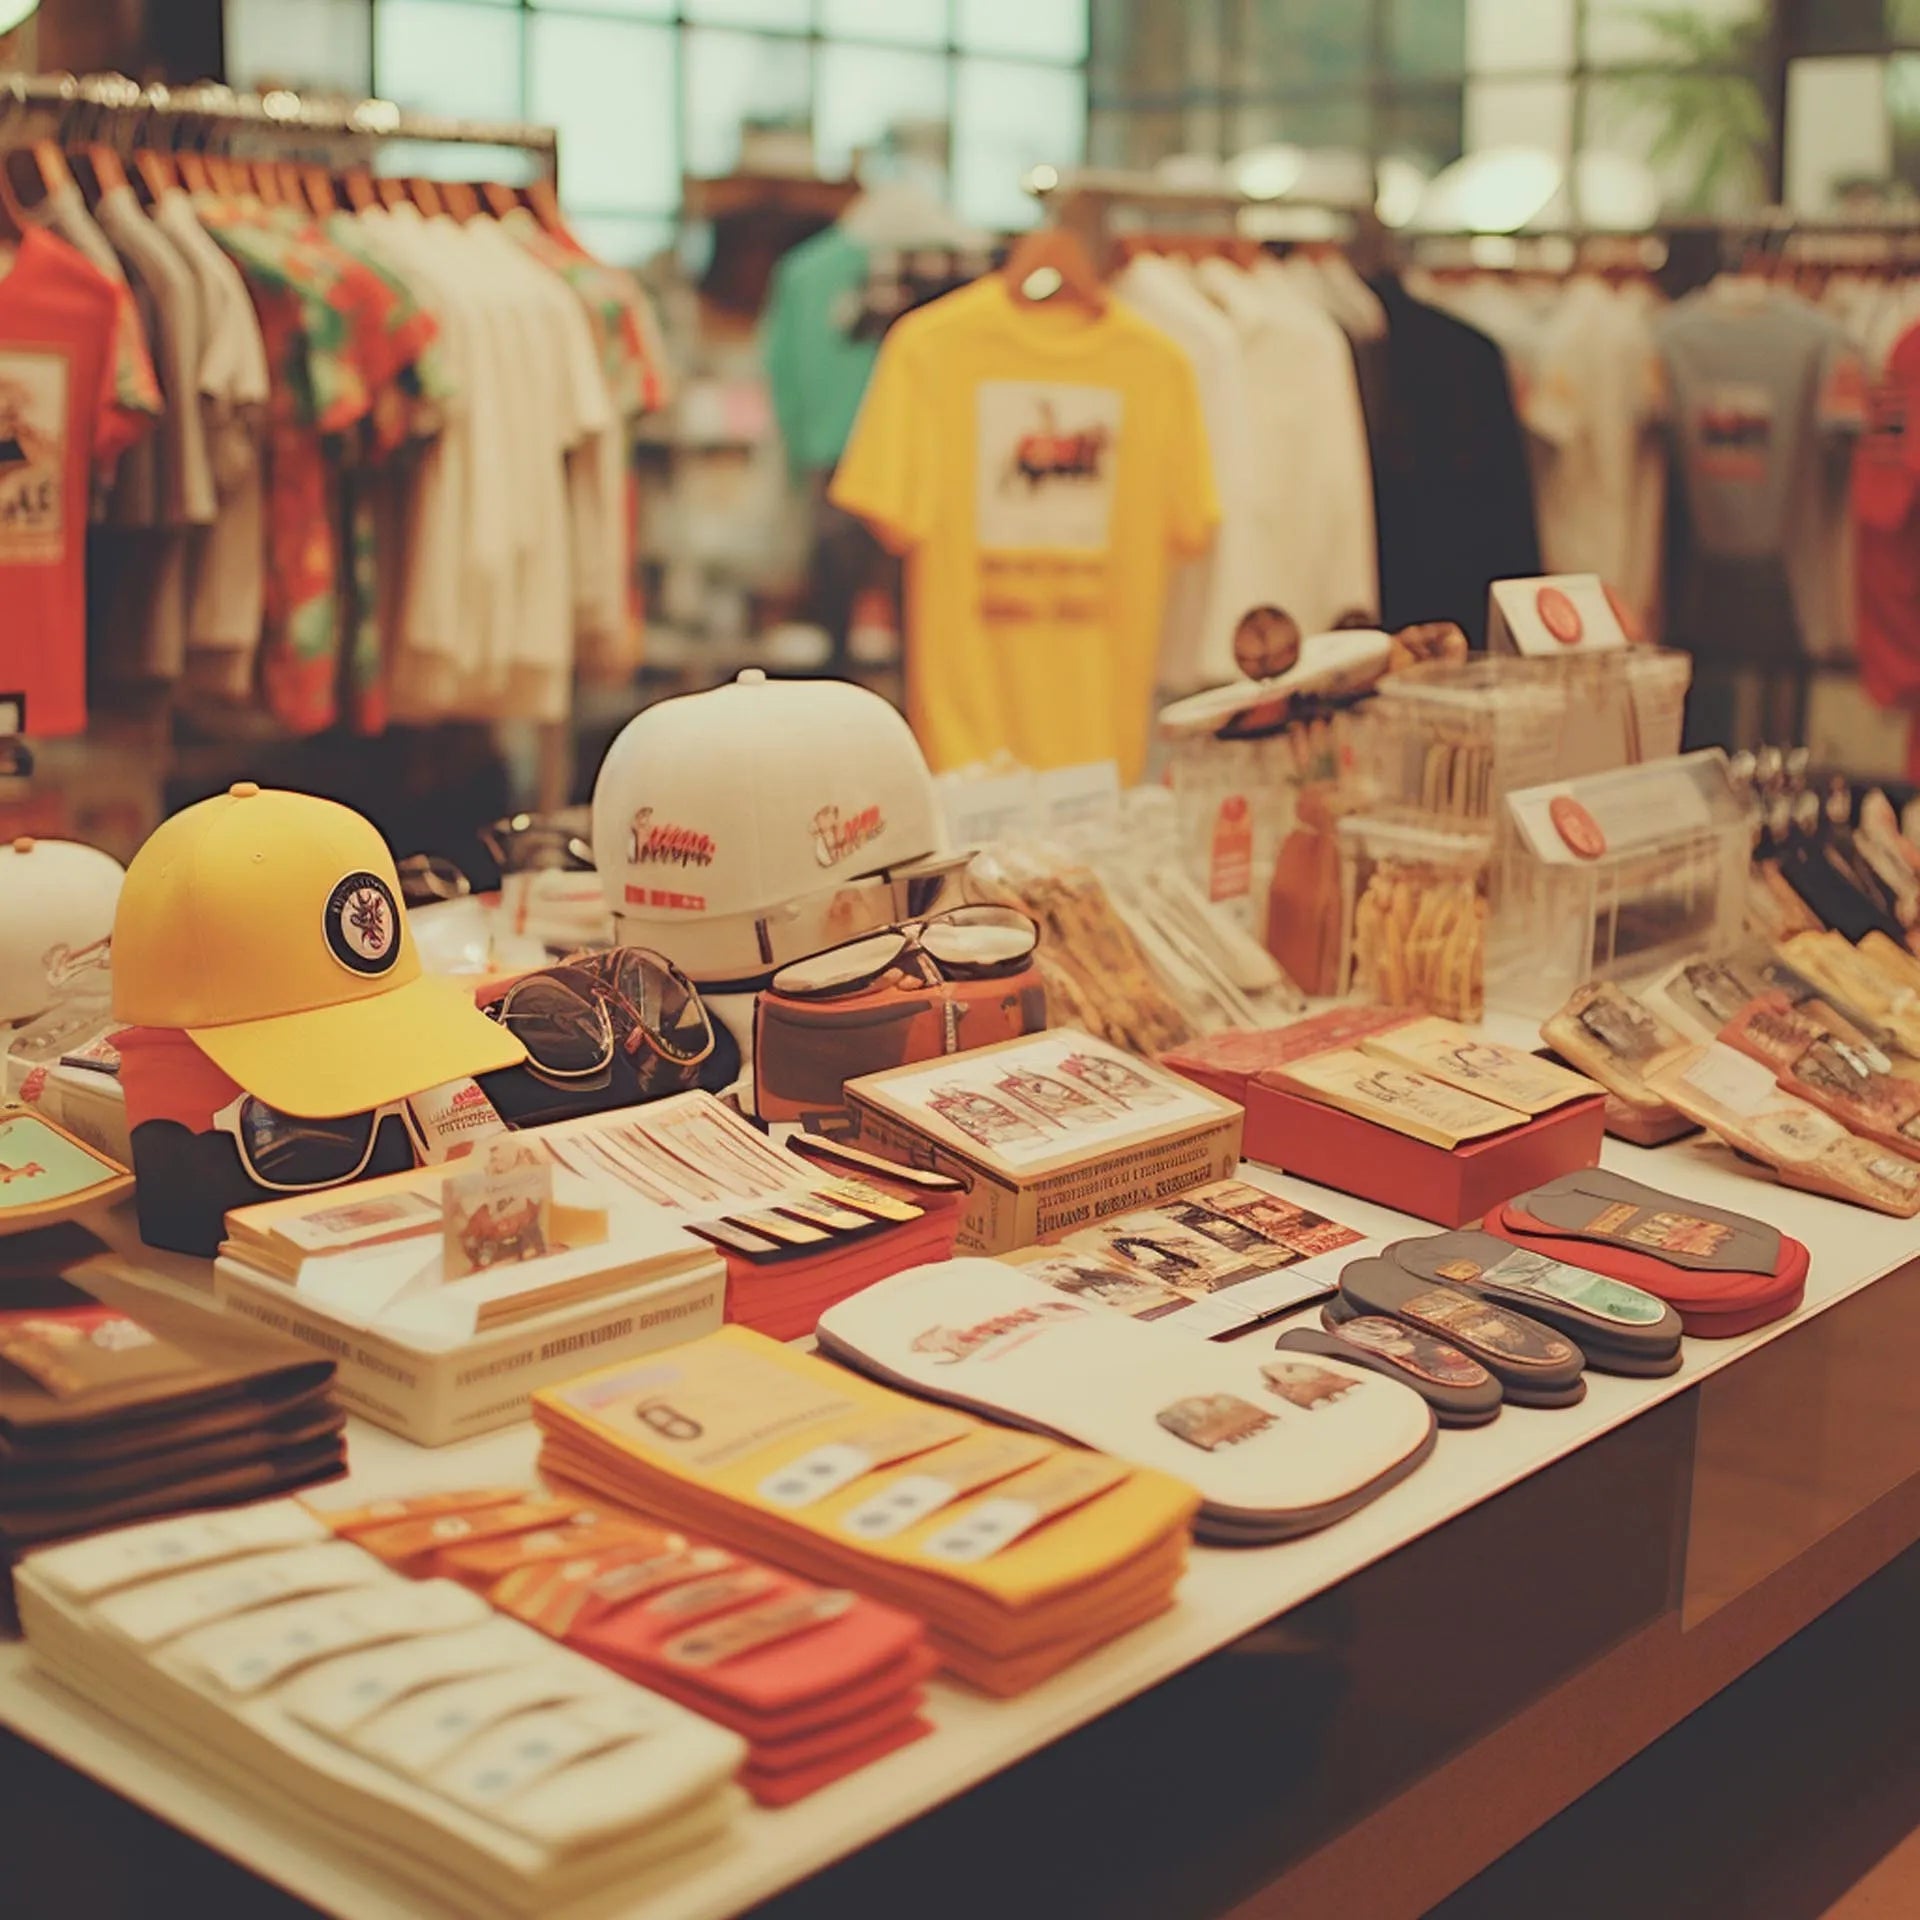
x=268 y=926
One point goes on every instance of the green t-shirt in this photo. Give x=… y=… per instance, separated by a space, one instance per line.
x=817 y=371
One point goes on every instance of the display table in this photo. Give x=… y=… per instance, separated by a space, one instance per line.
x=1394 y=1701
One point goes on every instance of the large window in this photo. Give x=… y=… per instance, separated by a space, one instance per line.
x=645 y=92
x=1853 y=105
x=1675 y=85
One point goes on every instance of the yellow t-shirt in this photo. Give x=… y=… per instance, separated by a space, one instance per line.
x=1041 y=467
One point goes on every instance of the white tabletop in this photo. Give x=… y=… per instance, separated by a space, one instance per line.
x=1226 y=1593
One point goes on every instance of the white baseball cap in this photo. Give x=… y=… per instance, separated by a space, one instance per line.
x=737 y=829
x=56 y=899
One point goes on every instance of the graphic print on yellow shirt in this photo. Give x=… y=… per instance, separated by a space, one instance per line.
x=1041 y=468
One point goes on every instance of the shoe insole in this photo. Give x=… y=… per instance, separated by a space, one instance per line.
x=1461 y=1392
x=1535 y=1365
x=1595 y=1312
x=1272 y=1444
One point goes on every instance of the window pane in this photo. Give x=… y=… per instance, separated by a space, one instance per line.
x=1704 y=136
x=1843 y=26
x=1426 y=36
x=607 y=86
x=1308 y=43
x=1709 y=33
x=1156 y=49
x=624 y=242
x=1519 y=36
x=862 y=93
x=1337 y=122
x=910 y=23
x=1034 y=29
x=633 y=9
x=1427 y=128
x=1903 y=22
x=322 y=45
x=444 y=56
x=795 y=15
x=1142 y=136
x=1520 y=113
x=1008 y=118
x=735 y=80
x=1837 y=131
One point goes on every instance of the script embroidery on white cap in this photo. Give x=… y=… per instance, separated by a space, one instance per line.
x=836 y=835
x=670 y=845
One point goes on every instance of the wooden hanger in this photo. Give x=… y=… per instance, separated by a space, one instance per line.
x=154 y=174
x=1052 y=264
x=193 y=172
x=461 y=197
x=500 y=199
x=390 y=192
x=97 y=170
x=357 y=189
x=425 y=194
x=544 y=204
x=319 y=187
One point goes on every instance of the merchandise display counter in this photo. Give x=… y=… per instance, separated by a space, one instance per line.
x=1355 y=1721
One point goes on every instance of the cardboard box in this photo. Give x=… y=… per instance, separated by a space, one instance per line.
x=434 y=1394
x=1051 y=1133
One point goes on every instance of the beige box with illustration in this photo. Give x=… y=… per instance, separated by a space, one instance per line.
x=1051 y=1132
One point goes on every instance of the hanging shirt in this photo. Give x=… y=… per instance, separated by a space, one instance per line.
x=1597 y=404
x=1886 y=510
x=227 y=579
x=62 y=416
x=1041 y=467
x=1208 y=595
x=1767 y=392
x=1453 y=497
x=817 y=367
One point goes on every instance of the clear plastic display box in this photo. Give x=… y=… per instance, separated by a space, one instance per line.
x=1414 y=909
x=1456 y=739
x=1614 y=876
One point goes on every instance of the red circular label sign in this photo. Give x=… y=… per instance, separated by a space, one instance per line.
x=1577 y=827
x=33 y=1086
x=1559 y=615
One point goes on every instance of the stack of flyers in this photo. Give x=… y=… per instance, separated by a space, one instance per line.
x=1211 y=1262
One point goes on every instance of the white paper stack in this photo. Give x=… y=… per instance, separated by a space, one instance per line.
x=405 y=1721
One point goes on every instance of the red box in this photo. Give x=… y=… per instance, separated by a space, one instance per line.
x=1292 y=1134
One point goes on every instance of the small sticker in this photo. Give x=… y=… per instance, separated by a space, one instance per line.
x=699 y=1598
x=1230 y=869
x=738 y=1633
x=1559 y=616
x=1576 y=827
x=1306 y=1385
x=1211 y=1421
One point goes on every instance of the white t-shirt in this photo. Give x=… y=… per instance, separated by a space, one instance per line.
x=1315 y=554
x=1206 y=597
x=1596 y=404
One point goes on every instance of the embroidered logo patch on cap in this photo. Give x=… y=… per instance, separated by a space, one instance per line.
x=363 y=924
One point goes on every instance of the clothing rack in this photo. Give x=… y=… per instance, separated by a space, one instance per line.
x=209 y=114
x=1102 y=204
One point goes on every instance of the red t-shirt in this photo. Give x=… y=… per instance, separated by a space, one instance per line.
x=60 y=416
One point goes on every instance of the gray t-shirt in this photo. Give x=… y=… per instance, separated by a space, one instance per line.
x=1766 y=393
